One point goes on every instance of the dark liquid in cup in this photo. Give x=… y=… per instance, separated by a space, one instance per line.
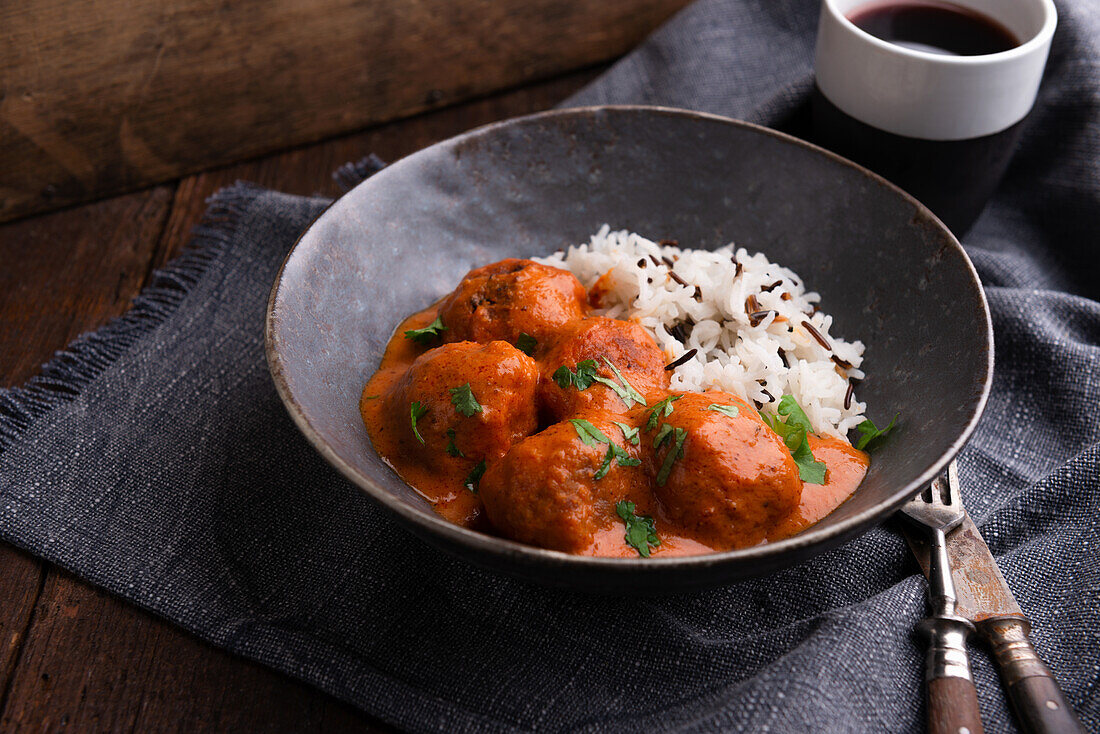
x=935 y=27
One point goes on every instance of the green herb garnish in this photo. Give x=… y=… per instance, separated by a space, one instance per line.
x=416 y=412
x=809 y=469
x=789 y=407
x=605 y=465
x=730 y=410
x=662 y=435
x=871 y=432
x=641 y=533
x=526 y=344
x=462 y=397
x=794 y=432
x=661 y=409
x=370 y=397
x=581 y=378
x=587 y=373
x=629 y=395
x=630 y=433
x=675 y=451
x=428 y=334
x=472 y=479
x=592 y=436
x=452 y=449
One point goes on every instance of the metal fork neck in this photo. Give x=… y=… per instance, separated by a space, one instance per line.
x=941 y=587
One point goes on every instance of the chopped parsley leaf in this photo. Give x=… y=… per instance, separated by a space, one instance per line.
x=730 y=410
x=661 y=409
x=871 y=432
x=809 y=470
x=526 y=344
x=605 y=465
x=630 y=433
x=416 y=412
x=641 y=532
x=580 y=379
x=428 y=334
x=629 y=395
x=675 y=451
x=794 y=432
x=370 y=397
x=462 y=397
x=789 y=407
x=587 y=373
x=472 y=479
x=592 y=436
x=662 y=435
x=452 y=449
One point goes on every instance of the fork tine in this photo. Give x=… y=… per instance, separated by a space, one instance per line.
x=953 y=493
x=938 y=491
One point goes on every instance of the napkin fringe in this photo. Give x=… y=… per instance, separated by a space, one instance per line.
x=64 y=377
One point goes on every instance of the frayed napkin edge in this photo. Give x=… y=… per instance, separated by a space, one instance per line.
x=72 y=369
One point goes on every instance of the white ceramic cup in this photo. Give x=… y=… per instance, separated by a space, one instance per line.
x=919 y=94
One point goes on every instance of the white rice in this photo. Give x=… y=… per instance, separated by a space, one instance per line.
x=732 y=355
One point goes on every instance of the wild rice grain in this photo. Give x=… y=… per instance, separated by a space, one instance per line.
x=683 y=358
x=672 y=274
x=817 y=335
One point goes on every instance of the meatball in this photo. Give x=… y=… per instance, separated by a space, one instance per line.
x=735 y=479
x=626 y=344
x=471 y=400
x=545 y=492
x=509 y=298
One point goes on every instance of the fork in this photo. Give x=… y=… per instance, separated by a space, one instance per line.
x=952 y=698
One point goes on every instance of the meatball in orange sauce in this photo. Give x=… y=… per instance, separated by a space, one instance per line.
x=510 y=298
x=731 y=480
x=545 y=491
x=606 y=343
x=514 y=411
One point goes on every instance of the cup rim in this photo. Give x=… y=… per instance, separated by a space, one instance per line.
x=1039 y=40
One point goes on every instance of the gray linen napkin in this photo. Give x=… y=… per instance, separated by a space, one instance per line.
x=154 y=459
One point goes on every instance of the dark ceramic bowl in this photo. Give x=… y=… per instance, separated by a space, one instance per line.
x=887 y=270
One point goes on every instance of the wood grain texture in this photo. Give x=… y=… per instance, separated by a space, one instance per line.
x=953 y=707
x=103 y=96
x=92 y=663
x=89 y=661
x=62 y=274
x=1041 y=708
x=21 y=577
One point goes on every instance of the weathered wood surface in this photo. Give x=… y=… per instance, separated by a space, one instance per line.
x=72 y=656
x=104 y=96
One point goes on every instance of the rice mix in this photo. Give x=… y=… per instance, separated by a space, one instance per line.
x=728 y=320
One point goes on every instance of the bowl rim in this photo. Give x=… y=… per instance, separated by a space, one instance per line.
x=813 y=537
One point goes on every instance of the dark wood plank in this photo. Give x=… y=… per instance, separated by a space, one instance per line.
x=141 y=91
x=63 y=274
x=91 y=662
x=21 y=577
x=71 y=271
x=308 y=170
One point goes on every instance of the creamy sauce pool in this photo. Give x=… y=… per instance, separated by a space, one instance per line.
x=443 y=486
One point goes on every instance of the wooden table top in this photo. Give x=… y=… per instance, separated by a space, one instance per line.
x=72 y=656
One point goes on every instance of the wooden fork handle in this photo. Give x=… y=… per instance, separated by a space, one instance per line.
x=952 y=698
x=1031 y=688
